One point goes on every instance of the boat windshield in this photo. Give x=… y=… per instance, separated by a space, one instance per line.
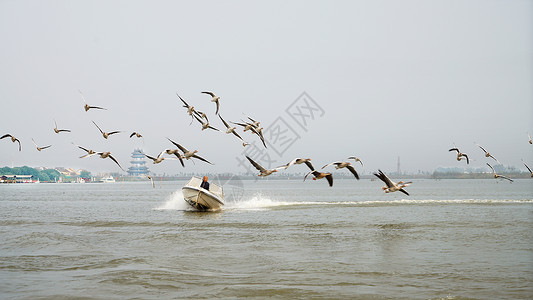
x=213 y=187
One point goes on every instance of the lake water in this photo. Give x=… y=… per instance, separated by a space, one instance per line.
x=451 y=239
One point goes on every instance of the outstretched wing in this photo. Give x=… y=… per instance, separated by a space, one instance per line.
x=185 y=103
x=491 y=168
x=201 y=158
x=116 y=162
x=384 y=178
x=209 y=93
x=333 y=163
x=225 y=124
x=354 y=172
x=256 y=165
x=404 y=191
x=330 y=179
x=308 y=163
x=454 y=149
x=179 y=146
x=98 y=127
x=528 y=168
x=505 y=177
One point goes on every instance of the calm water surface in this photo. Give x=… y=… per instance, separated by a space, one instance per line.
x=451 y=239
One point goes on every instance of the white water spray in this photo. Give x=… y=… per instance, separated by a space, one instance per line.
x=174 y=202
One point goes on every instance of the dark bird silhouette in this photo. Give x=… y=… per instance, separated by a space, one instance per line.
x=13 y=139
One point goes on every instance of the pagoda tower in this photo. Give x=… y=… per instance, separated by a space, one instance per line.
x=138 y=167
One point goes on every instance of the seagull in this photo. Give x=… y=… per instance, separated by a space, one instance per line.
x=190 y=109
x=159 y=158
x=188 y=154
x=498 y=176
x=344 y=164
x=262 y=171
x=357 y=160
x=59 y=130
x=460 y=155
x=487 y=154
x=215 y=99
x=298 y=161
x=177 y=153
x=108 y=154
x=40 y=148
x=13 y=139
x=90 y=152
x=152 y=180
x=135 y=134
x=205 y=125
x=320 y=175
x=391 y=185
x=530 y=140
x=230 y=129
x=86 y=106
x=528 y=169
x=105 y=134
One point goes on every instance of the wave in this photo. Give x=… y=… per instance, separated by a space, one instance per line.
x=260 y=202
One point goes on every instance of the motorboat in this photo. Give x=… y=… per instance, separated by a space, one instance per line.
x=108 y=179
x=202 y=199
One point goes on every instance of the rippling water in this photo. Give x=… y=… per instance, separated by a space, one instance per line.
x=450 y=239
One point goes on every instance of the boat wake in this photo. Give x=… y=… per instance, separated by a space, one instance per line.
x=174 y=202
x=261 y=202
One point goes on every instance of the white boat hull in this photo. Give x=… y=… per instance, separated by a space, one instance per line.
x=202 y=199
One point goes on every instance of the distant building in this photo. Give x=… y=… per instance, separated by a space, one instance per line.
x=138 y=167
x=16 y=178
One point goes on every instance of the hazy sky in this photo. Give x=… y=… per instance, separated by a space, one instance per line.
x=388 y=79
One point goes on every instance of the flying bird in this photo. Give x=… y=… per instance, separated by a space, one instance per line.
x=205 y=125
x=90 y=152
x=190 y=109
x=344 y=164
x=215 y=99
x=392 y=186
x=107 y=154
x=298 y=161
x=159 y=158
x=230 y=129
x=152 y=180
x=176 y=152
x=320 y=175
x=13 y=139
x=262 y=171
x=86 y=106
x=40 y=148
x=460 y=155
x=189 y=154
x=138 y=135
x=356 y=160
x=498 y=176
x=59 y=130
x=487 y=154
x=105 y=134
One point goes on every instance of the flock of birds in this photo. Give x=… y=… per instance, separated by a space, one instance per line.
x=461 y=155
x=181 y=153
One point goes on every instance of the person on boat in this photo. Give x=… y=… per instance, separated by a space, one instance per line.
x=205 y=184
